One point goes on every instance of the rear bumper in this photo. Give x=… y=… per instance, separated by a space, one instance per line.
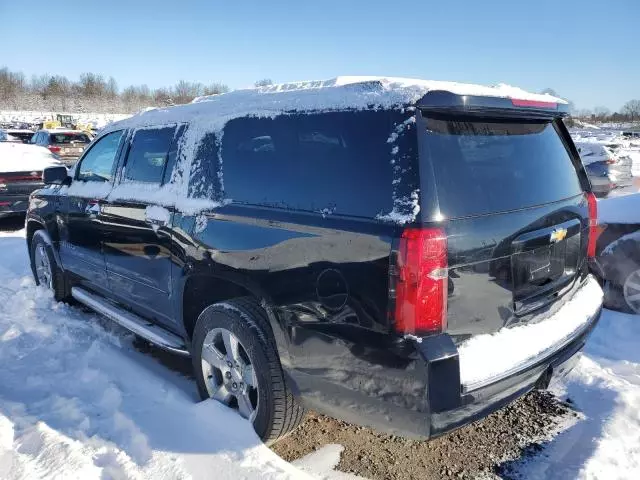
x=472 y=404
x=425 y=398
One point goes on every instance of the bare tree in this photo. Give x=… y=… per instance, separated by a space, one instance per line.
x=601 y=113
x=265 y=82
x=92 y=85
x=632 y=108
x=216 y=89
x=10 y=83
x=112 y=88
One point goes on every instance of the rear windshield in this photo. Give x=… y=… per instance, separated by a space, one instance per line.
x=58 y=138
x=487 y=166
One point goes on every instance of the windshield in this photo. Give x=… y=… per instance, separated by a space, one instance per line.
x=484 y=166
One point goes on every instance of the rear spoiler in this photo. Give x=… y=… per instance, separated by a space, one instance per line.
x=443 y=101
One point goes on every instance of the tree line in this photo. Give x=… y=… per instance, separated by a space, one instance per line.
x=91 y=90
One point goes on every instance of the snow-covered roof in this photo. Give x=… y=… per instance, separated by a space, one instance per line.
x=321 y=95
x=20 y=157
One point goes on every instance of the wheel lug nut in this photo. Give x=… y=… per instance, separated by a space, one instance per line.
x=235 y=385
x=228 y=374
x=229 y=364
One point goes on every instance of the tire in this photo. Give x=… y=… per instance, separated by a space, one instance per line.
x=276 y=411
x=620 y=269
x=41 y=255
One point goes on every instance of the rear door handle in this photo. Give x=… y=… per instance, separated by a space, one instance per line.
x=156 y=215
x=92 y=208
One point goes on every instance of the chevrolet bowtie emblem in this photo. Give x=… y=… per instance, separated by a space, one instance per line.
x=558 y=235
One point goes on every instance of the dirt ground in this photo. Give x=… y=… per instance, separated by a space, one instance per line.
x=476 y=450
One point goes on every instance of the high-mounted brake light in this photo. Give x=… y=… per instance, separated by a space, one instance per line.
x=594 y=231
x=518 y=102
x=421 y=282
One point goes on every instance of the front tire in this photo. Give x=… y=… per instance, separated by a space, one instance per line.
x=236 y=362
x=46 y=271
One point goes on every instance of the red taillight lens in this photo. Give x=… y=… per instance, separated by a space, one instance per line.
x=517 y=102
x=610 y=161
x=53 y=149
x=594 y=232
x=421 y=282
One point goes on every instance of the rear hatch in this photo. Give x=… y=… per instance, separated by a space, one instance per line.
x=68 y=145
x=510 y=195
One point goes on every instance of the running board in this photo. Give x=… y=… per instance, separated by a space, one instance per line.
x=132 y=322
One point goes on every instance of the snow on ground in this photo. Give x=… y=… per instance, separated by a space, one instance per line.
x=77 y=401
x=605 y=387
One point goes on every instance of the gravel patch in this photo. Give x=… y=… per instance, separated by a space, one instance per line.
x=479 y=449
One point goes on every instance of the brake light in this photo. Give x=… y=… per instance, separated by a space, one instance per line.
x=53 y=149
x=609 y=161
x=518 y=102
x=594 y=231
x=421 y=282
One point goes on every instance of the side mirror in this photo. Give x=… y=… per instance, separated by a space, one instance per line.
x=55 y=175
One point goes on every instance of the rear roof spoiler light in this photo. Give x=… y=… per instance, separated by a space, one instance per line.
x=517 y=102
x=440 y=100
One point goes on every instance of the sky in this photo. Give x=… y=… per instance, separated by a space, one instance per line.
x=587 y=51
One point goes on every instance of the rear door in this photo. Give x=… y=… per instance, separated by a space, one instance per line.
x=137 y=242
x=512 y=200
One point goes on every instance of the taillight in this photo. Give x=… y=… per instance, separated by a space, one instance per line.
x=594 y=232
x=421 y=282
x=53 y=149
x=609 y=161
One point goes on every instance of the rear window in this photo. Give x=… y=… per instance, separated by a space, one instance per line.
x=336 y=162
x=487 y=166
x=64 y=138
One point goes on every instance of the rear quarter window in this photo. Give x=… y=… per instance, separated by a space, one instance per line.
x=484 y=166
x=336 y=162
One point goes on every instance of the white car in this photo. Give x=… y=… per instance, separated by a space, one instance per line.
x=21 y=169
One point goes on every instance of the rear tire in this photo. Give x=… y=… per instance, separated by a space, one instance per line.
x=268 y=403
x=46 y=271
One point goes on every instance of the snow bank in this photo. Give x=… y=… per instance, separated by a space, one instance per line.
x=605 y=388
x=20 y=157
x=622 y=209
x=484 y=357
x=77 y=401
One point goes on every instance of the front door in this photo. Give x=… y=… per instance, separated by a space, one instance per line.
x=137 y=242
x=81 y=232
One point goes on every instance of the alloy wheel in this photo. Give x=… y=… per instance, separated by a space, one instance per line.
x=631 y=291
x=228 y=372
x=43 y=266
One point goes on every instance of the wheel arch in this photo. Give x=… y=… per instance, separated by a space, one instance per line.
x=203 y=289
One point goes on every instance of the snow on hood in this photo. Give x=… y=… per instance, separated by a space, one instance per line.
x=20 y=157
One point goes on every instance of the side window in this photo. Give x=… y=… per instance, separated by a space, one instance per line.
x=34 y=138
x=336 y=162
x=148 y=155
x=97 y=165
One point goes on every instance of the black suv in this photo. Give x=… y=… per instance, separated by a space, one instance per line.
x=380 y=251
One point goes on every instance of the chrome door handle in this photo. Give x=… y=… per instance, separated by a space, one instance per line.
x=92 y=209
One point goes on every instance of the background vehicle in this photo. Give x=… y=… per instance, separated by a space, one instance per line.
x=68 y=145
x=339 y=253
x=606 y=170
x=21 y=135
x=21 y=169
x=618 y=253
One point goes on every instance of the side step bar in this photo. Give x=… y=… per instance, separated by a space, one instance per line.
x=132 y=322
